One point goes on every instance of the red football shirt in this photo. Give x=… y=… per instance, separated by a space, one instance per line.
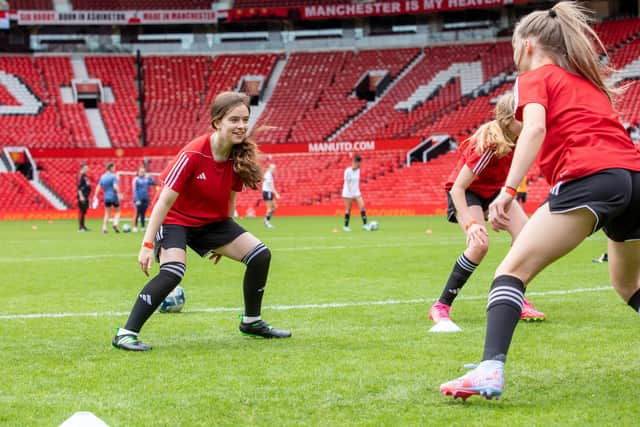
x=490 y=171
x=204 y=185
x=584 y=133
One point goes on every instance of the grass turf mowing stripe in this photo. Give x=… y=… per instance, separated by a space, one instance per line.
x=294 y=307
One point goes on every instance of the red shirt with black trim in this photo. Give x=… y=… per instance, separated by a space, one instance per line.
x=204 y=185
x=584 y=134
x=490 y=171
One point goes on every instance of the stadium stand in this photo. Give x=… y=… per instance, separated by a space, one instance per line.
x=60 y=174
x=384 y=121
x=179 y=90
x=121 y=116
x=140 y=4
x=57 y=72
x=44 y=129
x=16 y=194
x=329 y=88
x=244 y=4
x=313 y=99
x=31 y=4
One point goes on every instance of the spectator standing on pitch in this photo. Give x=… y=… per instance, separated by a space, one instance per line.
x=585 y=154
x=109 y=185
x=351 y=192
x=83 y=188
x=269 y=194
x=195 y=208
x=140 y=186
x=474 y=183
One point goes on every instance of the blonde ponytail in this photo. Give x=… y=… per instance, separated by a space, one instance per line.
x=564 y=32
x=496 y=135
x=490 y=136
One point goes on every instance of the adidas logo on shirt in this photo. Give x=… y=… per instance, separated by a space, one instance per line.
x=201 y=176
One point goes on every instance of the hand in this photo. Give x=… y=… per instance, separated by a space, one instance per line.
x=215 y=257
x=145 y=259
x=498 y=211
x=138 y=203
x=277 y=195
x=477 y=235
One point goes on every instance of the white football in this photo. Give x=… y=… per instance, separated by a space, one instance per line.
x=373 y=225
x=174 y=302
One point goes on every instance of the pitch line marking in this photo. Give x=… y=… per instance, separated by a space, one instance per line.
x=274 y=250
x=295 y=307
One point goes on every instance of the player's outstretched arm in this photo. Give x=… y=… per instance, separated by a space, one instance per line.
x=166 y=199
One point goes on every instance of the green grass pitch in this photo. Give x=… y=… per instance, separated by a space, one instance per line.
x=360 y=353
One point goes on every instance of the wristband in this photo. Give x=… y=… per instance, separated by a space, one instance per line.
x=510 y=191
x=148 y=245
x=468 y=225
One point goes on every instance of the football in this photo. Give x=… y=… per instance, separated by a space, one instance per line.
x=373 y=225
x=174 y=302
x=126 y=228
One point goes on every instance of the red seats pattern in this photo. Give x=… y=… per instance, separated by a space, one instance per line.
x=384 y=121
x=17 y=194
x=314 y=96
x=140 y=4
x=61 y=175
x=30 y=4
x=313 y=99
x=179 y=91
x=121 y=117
x=243 y=4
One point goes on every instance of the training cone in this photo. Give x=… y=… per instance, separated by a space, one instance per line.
x=83 y=419
x=445 y=326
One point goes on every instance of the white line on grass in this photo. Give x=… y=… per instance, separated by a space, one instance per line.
x=294 y=307
x=276 y=250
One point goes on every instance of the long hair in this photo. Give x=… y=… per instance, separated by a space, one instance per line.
x=496 y=135
x=245 y=155
x=564 y=32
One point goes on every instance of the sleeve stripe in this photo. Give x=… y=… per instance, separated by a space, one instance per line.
x=483 y=162
x=176 y=170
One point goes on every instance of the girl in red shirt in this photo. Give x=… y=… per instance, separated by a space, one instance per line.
x=585 y=154
x=195 y=209
x=474 y=183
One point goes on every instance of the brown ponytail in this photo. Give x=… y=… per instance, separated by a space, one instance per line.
x=246 y=162
x=245 y=155
x=564 y=32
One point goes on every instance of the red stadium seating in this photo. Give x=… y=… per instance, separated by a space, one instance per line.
x=313 y=98
x=16 y=194
x=140 y=4
x=314 y=95
x=30 y=4
x=243 y=4
x=614 y=32
x=121 y=117
x=57 y=72
x=180 y=90
x=61 y=175
x=42 y=130
x=310 y=179
x=384 y=121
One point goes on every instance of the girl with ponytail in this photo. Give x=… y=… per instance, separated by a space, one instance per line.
x=473 y=184
x=195 y=209
x=584 y=152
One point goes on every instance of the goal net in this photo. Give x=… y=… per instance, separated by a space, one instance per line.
x=125 y=180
